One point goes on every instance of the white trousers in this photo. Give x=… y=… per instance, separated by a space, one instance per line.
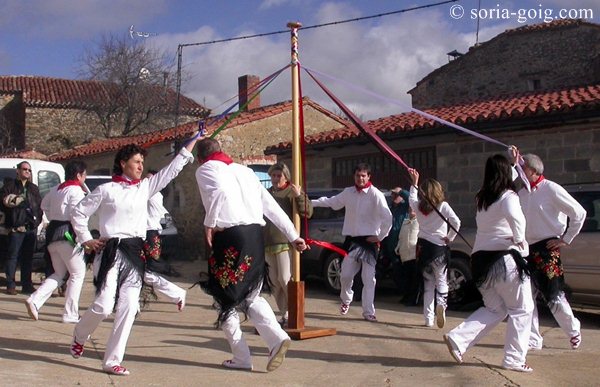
x=165 y=287
x=501 y=298
x=262 y=317
x=126 y=310
x=351 y=266
x=279 y=276
x=563 y=314
x=65 y=258
x=436 y=280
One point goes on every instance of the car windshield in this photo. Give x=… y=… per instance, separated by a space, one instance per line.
x=591 y=203
x=6 y=173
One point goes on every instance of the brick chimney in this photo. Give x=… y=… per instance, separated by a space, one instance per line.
x=245 y=83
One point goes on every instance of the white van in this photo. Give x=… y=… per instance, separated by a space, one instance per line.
x=44 y=174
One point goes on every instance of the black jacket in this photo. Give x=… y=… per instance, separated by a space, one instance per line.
x=29 y=212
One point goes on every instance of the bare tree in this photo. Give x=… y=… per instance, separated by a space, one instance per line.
x=134 y=93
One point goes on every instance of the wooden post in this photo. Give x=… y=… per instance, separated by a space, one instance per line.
x=296 y=328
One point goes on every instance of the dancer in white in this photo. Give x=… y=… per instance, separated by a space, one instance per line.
x=118 y=266
x=153 y=251
x=499 y=270
x=547 y=207
x=66 y=257
x=433 y=251
x=367 y=222
x=236 y=202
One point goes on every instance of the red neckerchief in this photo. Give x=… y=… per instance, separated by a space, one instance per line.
x=366 y=186
x=69 y=183
x=537 y=182
x=287 y=184
x=121 y=179
x=219 y=156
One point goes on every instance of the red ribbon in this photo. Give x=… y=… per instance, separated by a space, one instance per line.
x=537 y=182
x=327 y=245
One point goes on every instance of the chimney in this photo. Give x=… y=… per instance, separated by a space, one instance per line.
x=246 y=86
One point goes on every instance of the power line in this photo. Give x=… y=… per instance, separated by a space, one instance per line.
x=320 y=25
x=181 y=46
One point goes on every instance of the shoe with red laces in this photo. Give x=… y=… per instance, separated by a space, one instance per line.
x=575 y=341
x=116 y=370
x=344 y=309
x=76 y=349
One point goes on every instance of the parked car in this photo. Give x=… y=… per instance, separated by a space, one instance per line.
x=580 y=260
x=326 y=225
x=169 y=236
x=45 y=175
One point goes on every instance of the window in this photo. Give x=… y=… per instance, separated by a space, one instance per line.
x=47 y=180
x=534 y=84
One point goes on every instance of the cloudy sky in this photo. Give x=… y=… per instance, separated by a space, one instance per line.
x=387 y=55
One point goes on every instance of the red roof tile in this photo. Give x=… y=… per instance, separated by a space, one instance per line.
x=186 y=130
x=522 y=105
x=75 y=94
x=24 y=154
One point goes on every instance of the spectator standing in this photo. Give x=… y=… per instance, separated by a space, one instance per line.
x=21 y=202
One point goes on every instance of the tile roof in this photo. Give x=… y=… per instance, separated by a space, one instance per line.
x=186 y=130
x=501 y=109
x=59 y=93
x=24 y=154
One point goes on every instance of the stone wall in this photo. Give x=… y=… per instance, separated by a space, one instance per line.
x=512 y=63
x=12 y=122
x=571 y=154
x=51 y=130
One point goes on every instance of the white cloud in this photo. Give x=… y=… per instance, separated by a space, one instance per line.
x=387 y=57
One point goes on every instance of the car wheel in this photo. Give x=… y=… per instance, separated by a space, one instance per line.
x=459 y=278
x=332 y=269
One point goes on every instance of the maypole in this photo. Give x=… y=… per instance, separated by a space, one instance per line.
x=296 y=328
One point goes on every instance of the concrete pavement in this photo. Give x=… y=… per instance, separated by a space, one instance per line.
x=183 y=349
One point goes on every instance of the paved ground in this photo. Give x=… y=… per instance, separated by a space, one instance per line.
x=183 y=349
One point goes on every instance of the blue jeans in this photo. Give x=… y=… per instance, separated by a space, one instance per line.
x=20 y=248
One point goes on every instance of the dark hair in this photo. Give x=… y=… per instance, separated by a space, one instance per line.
x=497 y=179
x=124 y=154
x=73 y=168
x=362 y=167
x=207 y=147
x=21 y=164
x=152 y=171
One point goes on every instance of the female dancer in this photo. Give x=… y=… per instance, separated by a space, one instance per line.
x=499 y=270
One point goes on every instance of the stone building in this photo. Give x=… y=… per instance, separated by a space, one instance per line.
x=538 y=57
x=244 y=139
x=561 y=124
x=47 y=114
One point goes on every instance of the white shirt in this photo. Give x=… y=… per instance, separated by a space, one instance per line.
x=232 y=195
x=123 y=208
x=432 y=227
x=367 y=212
x=546 y=209
x=156 y=211
x=59 y=204
x=501 y=226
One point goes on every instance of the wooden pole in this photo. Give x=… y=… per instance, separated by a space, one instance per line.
x=296 y=328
